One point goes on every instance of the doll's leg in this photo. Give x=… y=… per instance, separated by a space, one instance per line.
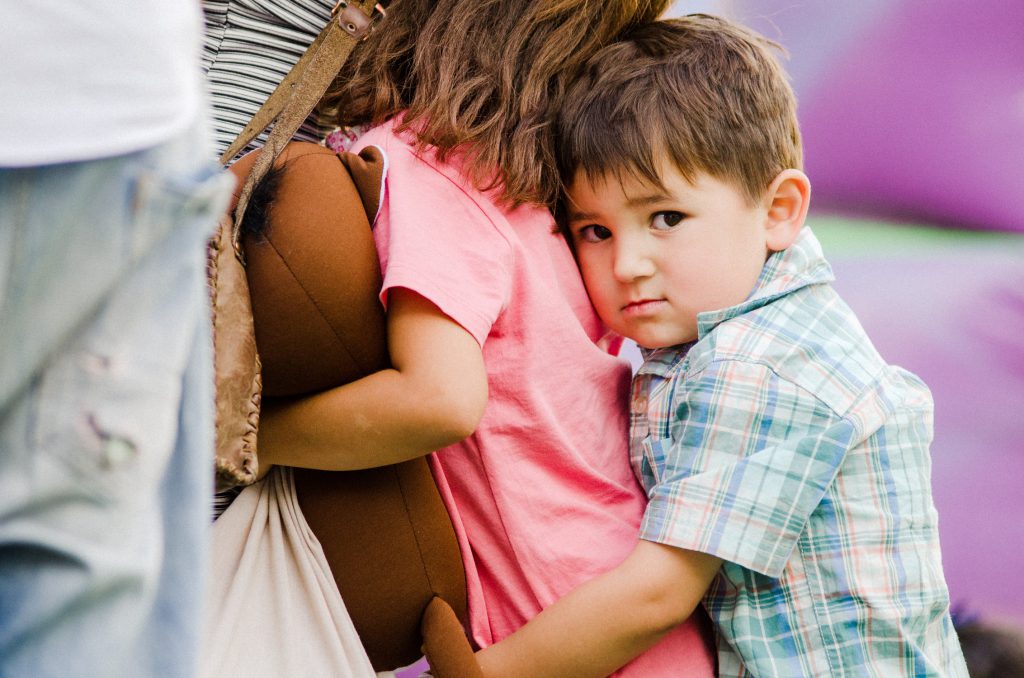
x=445 y=644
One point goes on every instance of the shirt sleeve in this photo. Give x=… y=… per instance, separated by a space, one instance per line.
x=434 y=238
x=750 y=458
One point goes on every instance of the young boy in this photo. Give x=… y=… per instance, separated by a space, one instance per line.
x=786 y=463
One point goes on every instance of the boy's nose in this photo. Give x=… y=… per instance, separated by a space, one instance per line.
x=632 y=261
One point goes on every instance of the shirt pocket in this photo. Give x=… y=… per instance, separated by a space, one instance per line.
x=651 y=461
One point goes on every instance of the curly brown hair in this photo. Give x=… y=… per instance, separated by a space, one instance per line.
x=486 y=77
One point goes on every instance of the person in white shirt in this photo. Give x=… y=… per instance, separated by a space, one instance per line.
x=107 y=197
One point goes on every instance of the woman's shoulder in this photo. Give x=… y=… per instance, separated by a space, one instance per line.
x=403 y=153
x=383 y=134
x=418 y=174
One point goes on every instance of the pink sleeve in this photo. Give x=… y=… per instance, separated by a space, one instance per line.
x=434 y=239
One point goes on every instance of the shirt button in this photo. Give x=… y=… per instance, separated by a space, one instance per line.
x=640 y=404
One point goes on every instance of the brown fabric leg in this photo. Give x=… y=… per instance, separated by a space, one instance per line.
x=391 y=549
x=445 y=644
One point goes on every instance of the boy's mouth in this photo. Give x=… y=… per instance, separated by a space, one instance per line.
x=641 y=308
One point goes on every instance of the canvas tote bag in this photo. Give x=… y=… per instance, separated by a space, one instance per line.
x=273 y=609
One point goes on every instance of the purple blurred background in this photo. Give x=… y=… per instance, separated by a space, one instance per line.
x=910 y=109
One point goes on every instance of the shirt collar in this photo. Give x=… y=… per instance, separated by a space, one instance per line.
x=799 y=265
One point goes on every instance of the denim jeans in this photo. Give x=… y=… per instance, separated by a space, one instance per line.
x=106 y=412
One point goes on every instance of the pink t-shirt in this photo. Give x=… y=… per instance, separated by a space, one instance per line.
x=542 y=495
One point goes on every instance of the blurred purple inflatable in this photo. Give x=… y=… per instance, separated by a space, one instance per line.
x=910 y=108
x=949 y=307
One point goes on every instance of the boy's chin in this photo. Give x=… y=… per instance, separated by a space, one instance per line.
x=654 y=334
x=654 y=343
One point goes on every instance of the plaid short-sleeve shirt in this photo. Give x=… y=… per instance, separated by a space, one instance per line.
x=781 y=442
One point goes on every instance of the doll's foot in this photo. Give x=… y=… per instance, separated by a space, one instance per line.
x=445 y=643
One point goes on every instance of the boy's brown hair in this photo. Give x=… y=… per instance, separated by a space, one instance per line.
x=487 y=77
x=700 y=92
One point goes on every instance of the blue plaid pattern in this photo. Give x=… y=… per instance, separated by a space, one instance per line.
x=781 y=442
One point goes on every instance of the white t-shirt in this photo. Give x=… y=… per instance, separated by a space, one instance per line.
x=95 y=78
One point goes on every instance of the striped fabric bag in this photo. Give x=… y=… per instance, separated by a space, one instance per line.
x=249 y=47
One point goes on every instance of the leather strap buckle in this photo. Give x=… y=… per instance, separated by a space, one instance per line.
x=352 y=20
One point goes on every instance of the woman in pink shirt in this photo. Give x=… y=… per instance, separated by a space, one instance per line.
x=500 y=362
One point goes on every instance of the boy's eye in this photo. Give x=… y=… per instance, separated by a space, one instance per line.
x=593 y=233
x=662 y=221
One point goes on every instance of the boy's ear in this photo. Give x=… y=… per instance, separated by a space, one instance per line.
x=787 y=200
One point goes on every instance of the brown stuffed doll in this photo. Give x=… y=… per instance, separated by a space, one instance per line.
x=314 y=280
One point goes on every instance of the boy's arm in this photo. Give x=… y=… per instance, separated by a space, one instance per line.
x=433 y=396
x=606 y=622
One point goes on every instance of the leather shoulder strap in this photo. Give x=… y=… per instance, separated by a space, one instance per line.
x=298 y=94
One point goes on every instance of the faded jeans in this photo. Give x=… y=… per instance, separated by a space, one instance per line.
x=106 y=410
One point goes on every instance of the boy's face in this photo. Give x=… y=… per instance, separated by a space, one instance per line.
x=653 y=258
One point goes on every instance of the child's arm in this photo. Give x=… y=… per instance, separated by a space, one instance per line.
x=434 y=395
x=606 y=622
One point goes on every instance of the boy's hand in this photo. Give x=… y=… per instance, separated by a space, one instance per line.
x=608 y=621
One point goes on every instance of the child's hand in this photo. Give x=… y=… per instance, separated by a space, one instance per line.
x=606 y=622
x=495 y=664
x=433 y=396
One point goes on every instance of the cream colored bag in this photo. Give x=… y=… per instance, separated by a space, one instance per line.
x=273 y=608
